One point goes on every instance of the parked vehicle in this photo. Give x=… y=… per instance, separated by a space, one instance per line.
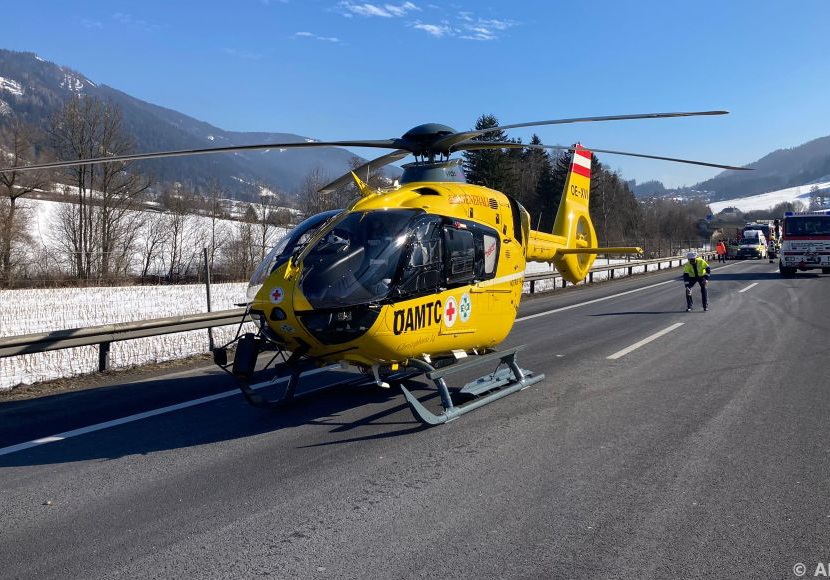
x=753 y=245
x=805 y=243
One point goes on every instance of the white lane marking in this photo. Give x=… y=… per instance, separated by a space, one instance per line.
x=144 y=415
x=646 y=340
x=748 y=287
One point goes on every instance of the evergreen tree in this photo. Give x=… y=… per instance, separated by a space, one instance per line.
x=549 y=190
x=488 y=167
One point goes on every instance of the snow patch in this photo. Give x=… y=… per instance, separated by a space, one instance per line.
x=5 y=109
x=11 y=86
x=72 y=83
x=38 y=58
x=767 y=200
x=43 y=310
x=210 y=138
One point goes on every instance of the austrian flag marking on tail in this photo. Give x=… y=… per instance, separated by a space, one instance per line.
x=582 y=162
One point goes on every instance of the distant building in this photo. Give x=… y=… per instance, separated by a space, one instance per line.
x=729 y=213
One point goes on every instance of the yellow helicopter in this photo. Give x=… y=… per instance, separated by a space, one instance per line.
x=423 y=278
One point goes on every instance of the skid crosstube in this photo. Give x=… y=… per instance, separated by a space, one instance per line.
x=498 y=384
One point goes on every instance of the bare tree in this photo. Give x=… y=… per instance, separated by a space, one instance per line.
x=87 y=128
x=152 y=236
x=240 y=253
x=19 y=139
x=216 y=212
x=120 y=191
x=266 y=218
x=310 y=200
x=179 y=205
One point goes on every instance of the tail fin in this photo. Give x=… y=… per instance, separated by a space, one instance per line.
x=572 y=247
x=573 y=222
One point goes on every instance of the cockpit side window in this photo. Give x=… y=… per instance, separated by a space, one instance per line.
x=423 y=272
x=460 y=256
x=294 y=239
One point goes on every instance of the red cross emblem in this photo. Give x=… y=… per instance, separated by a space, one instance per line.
x=277 y=295
x=450 y=310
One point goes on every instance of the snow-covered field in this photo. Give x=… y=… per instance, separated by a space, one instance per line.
x=772 y=198
x=41 y=310
x=45 y=217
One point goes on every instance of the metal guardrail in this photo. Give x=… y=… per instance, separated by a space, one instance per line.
x=613 y=268
x=106 y=334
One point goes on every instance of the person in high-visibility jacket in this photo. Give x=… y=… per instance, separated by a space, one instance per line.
x=721 y=250
x=696 y=271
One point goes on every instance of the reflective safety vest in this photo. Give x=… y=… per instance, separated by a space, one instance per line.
x=696 y=268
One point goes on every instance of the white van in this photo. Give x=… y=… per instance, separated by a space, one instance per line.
x=753 y=245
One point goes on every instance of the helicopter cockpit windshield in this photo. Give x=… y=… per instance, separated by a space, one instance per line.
x=357 y=261
x=294 y=240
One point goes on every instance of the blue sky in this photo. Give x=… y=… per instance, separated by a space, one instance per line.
x=336 y=69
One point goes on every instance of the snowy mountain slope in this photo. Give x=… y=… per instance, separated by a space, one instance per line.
x=772 y=198
x=34 y=90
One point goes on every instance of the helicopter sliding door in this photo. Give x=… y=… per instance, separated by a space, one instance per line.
x=471 y=253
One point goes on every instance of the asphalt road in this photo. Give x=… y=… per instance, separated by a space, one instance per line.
x=701 y=454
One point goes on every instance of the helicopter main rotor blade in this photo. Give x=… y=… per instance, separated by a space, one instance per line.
x=364 y=170
x=478 y=145
x=381 y=143
x=447 y=143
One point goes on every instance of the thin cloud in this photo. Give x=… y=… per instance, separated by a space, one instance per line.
x=482 y=29
x=129 y=20
x=245 y=54
x=348 y=8
x=87 y=23
x=436 y=30
x=464 y=25
x=304 y=34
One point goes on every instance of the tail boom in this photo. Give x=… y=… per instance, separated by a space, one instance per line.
x=573 y=245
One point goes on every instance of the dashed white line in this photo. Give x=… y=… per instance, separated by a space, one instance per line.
x=646 y=340
x=748 y=287
x=139 y=416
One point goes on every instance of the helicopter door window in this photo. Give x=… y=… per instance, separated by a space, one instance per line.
x=490 y=253
x=422 y=274
x=460 y=256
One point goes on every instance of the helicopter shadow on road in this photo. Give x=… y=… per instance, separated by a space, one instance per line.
x=212 y=422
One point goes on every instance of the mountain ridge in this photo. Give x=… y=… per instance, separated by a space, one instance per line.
x=35 y=89
x=786 y=167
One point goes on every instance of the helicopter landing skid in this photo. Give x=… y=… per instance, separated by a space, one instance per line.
x=508 y=378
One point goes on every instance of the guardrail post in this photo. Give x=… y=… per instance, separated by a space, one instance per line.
x=630 y=270
x=533 y=286
x=207 y=290
x=590 y=277
x=103 y=357
x=612 y=273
